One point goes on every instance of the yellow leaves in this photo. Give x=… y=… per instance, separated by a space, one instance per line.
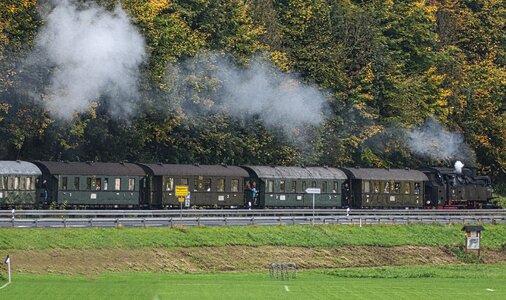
x=369 y=74
x=146 y=11
x=281 y=60
x=483 y=140
x=4 y=108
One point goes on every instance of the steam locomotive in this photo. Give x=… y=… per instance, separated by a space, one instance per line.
x=97 y=185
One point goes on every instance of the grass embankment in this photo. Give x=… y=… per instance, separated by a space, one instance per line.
x=216 y=249
x=326 y=236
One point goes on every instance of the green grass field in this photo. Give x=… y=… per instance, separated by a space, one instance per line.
x=494 y=236
x=419 y=282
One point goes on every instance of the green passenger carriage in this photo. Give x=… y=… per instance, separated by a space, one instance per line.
x=386 y=188
x=286 y=186
x=208 y=185
x=18 y=184
x=92 y=184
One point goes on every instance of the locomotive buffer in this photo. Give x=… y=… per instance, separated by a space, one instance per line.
x=313 y=191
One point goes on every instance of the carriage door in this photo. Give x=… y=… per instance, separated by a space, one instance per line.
x=346 y=193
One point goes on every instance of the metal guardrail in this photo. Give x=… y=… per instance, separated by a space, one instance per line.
x=245 y=212
x=360 y=220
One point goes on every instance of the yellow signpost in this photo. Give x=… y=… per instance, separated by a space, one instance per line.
x=181 y=191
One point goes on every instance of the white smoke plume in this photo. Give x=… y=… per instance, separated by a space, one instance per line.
x=458 y=166
x=434 y=141
x=278 y=98
x=284 y=104
x=94 y=53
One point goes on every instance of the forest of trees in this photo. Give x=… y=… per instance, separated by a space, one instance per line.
x=383 y=68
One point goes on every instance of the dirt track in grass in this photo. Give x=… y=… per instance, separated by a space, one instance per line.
x=227 y=258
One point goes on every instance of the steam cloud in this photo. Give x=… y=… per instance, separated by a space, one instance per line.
x=94 y=53
x=434 y=141
x=279 y=99
x=458 y=166
x=215 y=83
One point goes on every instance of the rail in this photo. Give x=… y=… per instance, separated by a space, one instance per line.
x=82 y=218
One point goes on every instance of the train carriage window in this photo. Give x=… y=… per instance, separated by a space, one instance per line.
x=64 y=183
x=386 y=190
x=397 y=187
x=15 y=183
x=117 y=184
x=367 y=187
x=281 y=186
x=2 y=186
x=324 y=187
x=270 y=186
x=294 y=186
x=184 y=181
x=220 y=186
x=234 y=185
x=28 y=183
x=303 y=186
x=207 y=184
x=168 y=183
x=106 y=184
x=335 y=187
x=98 y=184
x=375 y=187
x=313 y=184
x=407 y=188
x=88 y=183
x=131 y=184
x=76 y=183
x=417 y=188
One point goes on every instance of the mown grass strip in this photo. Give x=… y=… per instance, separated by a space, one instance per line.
x=494 y=236
x=308 y=285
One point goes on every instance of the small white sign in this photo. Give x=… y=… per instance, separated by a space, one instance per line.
x=473 y=243
x=93 y=196
x=392 y=198
x=313 y=191
x=282 y=197
x=1 y=195
x=221 y=198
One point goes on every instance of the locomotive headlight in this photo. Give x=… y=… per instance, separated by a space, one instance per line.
x=428 y=202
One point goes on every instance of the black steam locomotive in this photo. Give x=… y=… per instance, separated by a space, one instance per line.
x=96 y=185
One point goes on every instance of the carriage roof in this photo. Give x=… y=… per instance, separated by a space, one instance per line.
x=91 y=168
x=18 y=167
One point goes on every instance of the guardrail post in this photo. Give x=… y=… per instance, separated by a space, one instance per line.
x=64 y=223
x=360 y=222
x=36 y=223
x=144 y=222
x=253 y=220
x=91 y=222
x=225 y=220
x=198 y=221
x=279 y=220
x=170 y=222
